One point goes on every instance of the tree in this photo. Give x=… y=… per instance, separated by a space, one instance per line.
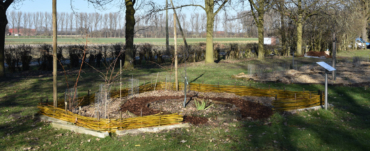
x=25 y=24
x=209 y=8
x=130 y=25
x=4 y=5
x=46 y=17
x=61 y=21
x=12 y=20
x=279 y=6
x=299 y=12
x=18 y=21
x=366 y=18
x=258 y=9
x=41 y=21
x=36 y=21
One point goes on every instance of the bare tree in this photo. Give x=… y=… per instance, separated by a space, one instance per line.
x=258 y=9
x=18 y=20
x=225 y=24
x=25 y=24
x=66 y=20
x=30 y=23
x=61 y=20
x=217 y=20
x=71 y=17
x=299 y=11
x=47 y=22
x=36 y=22
x=42 y=22
x=13 y=21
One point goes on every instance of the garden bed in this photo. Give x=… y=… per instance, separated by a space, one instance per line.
x=166 y=102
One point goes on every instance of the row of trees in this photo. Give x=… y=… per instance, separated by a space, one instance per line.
x=113 y=24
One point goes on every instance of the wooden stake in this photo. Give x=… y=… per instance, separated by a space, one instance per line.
x=79 y=110
x=65 y=106
x=295 y=96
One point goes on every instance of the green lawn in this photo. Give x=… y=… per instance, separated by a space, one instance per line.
x=353 y=53
x=157 y=41
x=345 y=127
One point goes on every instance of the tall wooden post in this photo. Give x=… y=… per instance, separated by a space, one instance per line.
x=175 y=38
x=167 y=37
x=55 y=32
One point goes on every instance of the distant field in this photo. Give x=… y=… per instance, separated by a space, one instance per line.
x=157 y=41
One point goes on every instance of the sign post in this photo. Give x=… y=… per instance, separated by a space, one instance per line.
x=328 y=69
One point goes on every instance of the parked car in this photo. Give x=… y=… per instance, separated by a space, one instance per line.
x=360 y=43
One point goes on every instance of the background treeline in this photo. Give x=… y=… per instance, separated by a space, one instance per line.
x=113 y=24
x=23 y=57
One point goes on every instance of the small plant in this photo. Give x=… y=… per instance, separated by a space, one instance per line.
x=201 y=105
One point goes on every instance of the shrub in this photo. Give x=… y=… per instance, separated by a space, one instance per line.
x=46 y=59
x=118 y=48
x=25 y=51
x=11 y=59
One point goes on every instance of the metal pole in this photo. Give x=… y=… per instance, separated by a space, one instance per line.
x=326 y=90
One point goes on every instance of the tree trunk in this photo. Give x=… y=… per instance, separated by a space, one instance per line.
x=130 y=25
x=209 y=38
x=3 y=23
x=55 y=32
x=299 y=37
x=299 y=28
x=282 y=33
x=261 y=51
x=363 y=29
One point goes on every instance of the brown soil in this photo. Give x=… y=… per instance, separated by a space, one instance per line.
x=347 y=74
x=225 y=106
x=247 y=109
x=195 y=120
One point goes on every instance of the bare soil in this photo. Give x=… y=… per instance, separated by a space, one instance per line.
x=348 y=73
x=222 y=105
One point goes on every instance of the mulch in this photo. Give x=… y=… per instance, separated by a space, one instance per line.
x=139 y=106
x=195 y=120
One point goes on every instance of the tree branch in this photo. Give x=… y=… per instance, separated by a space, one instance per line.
x=252 y=4
x=219 y=8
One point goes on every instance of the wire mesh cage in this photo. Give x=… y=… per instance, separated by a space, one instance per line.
x=251 y=69
x=102 y=100
x=133 y=86
x=71 y=99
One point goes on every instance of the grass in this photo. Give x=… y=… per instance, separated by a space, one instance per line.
x=353 y=53
x=345 y=127
x=158 y=41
